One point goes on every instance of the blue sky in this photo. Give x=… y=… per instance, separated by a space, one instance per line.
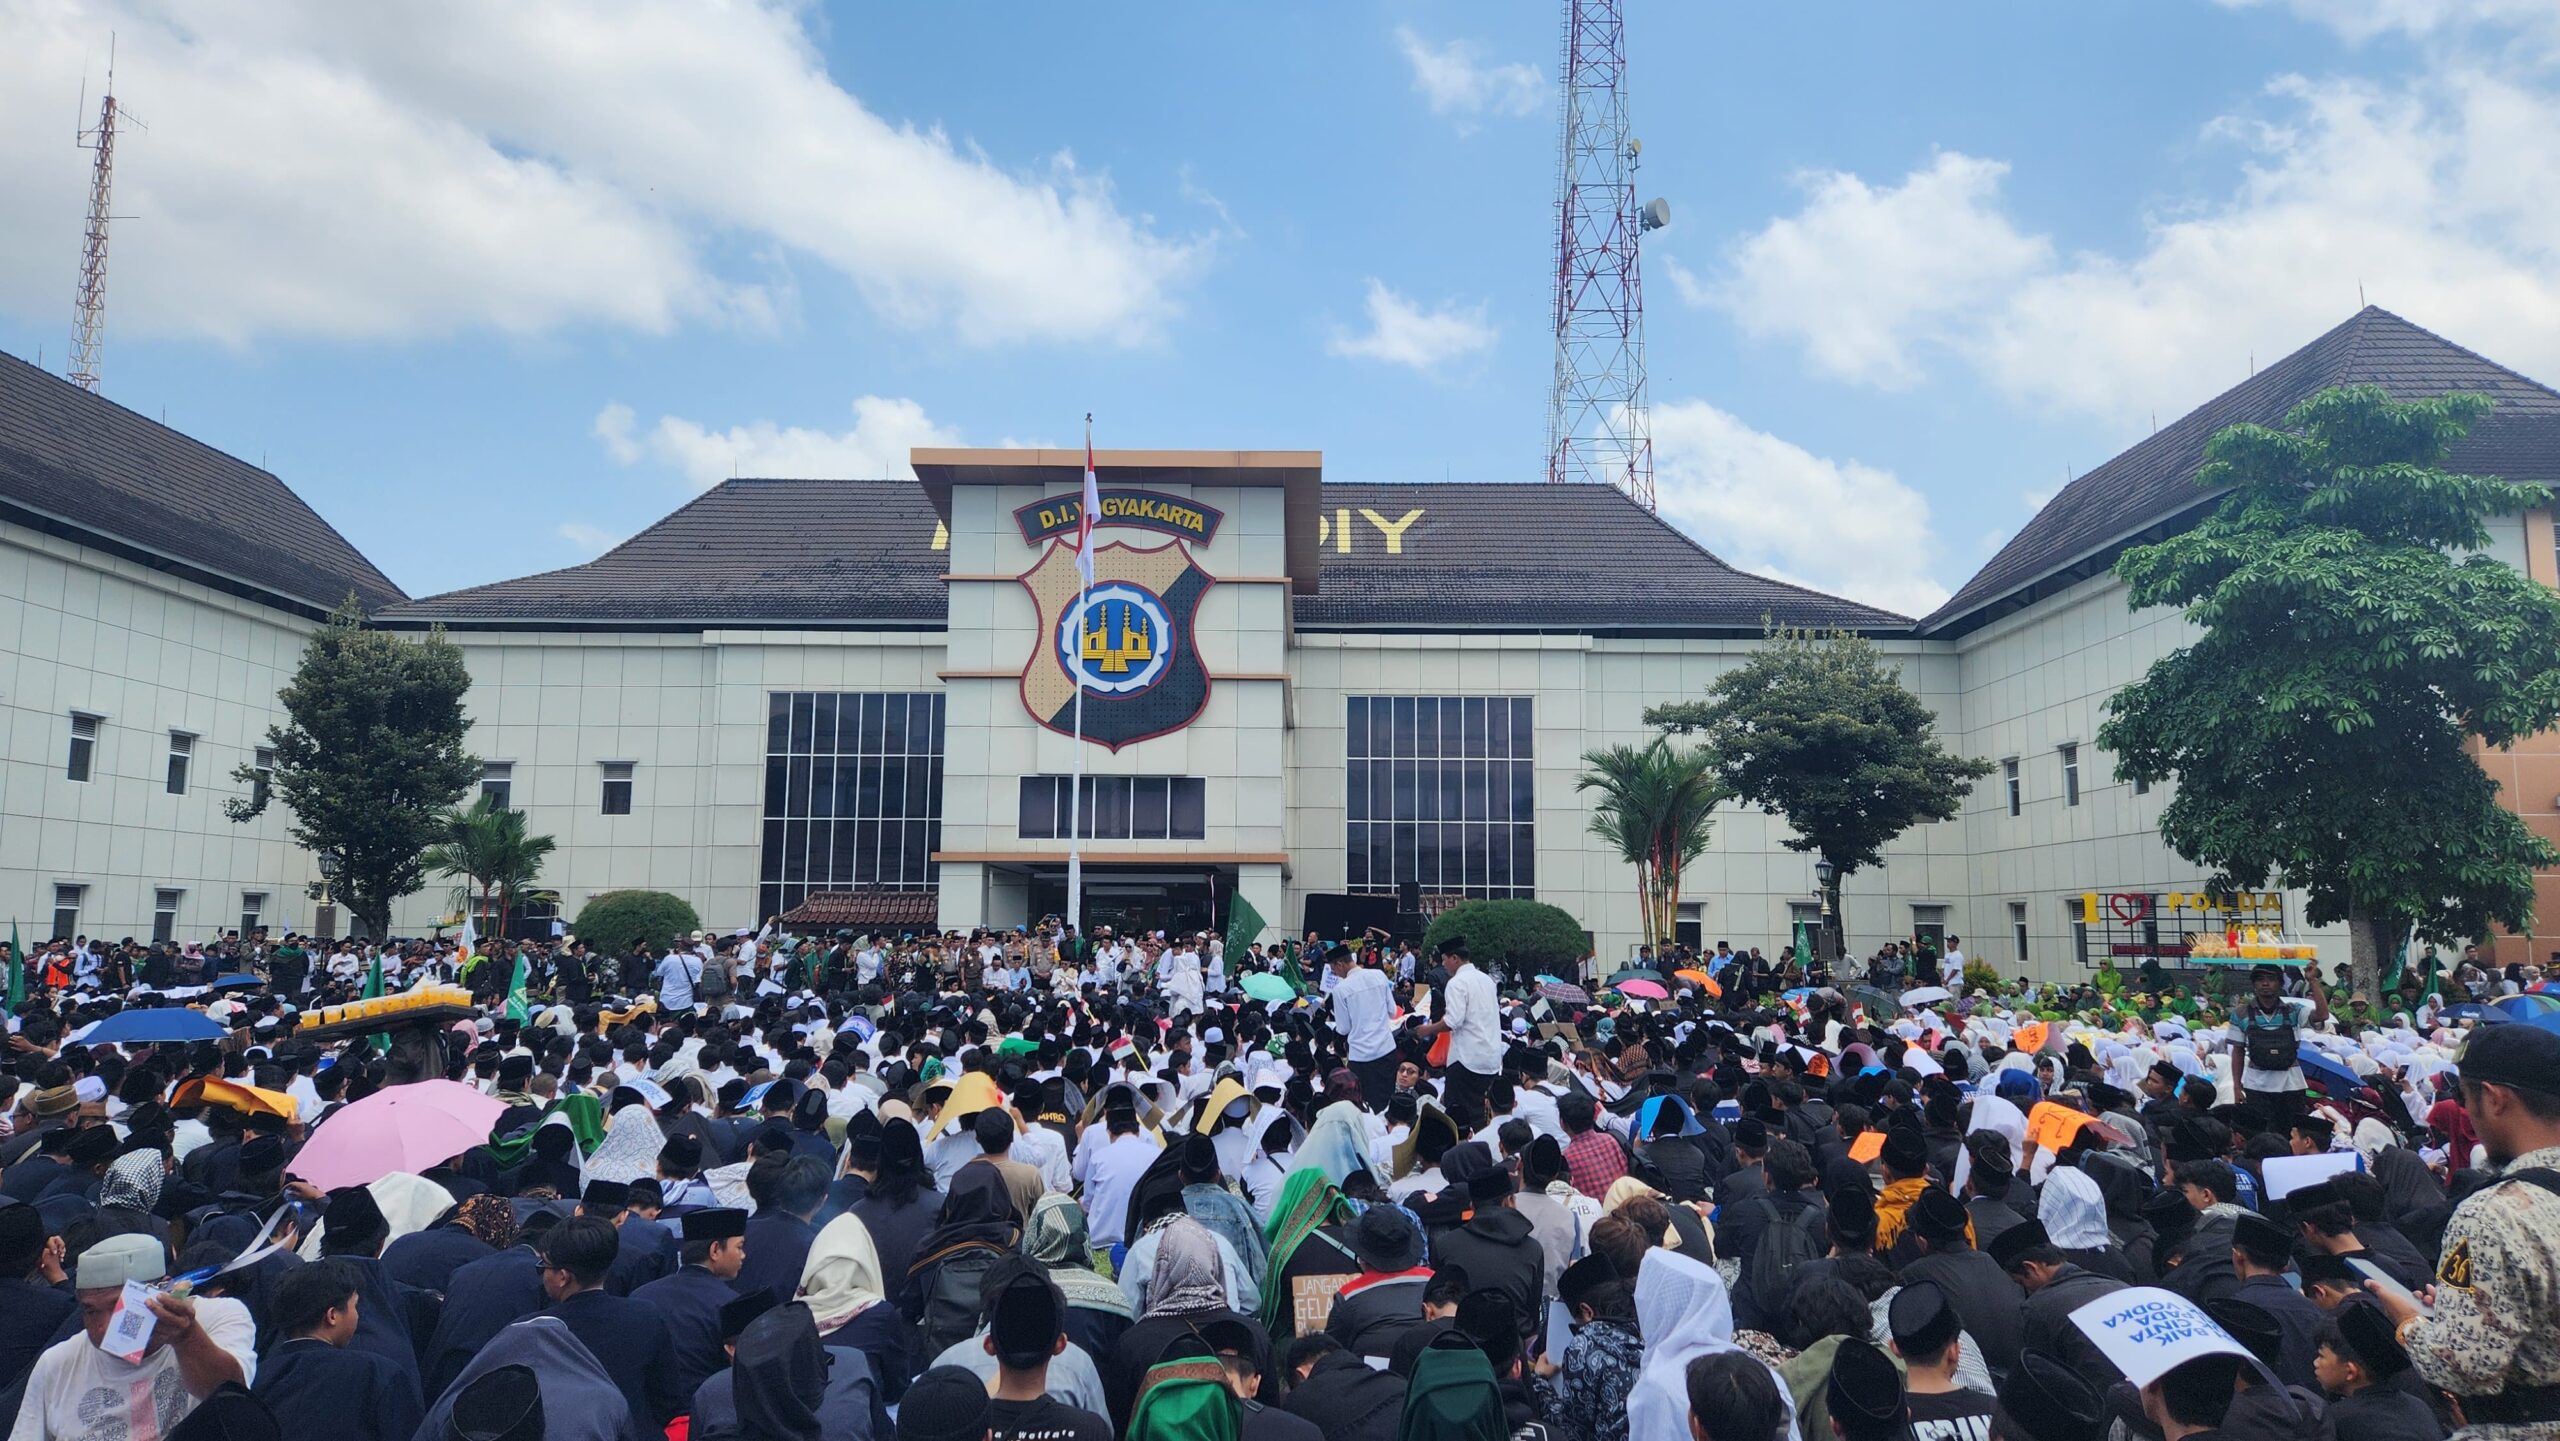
x=493 y=285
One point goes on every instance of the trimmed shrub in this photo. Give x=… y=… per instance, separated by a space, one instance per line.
x=1518 y=939
x=613 y=921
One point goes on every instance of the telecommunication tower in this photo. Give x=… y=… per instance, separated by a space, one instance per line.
x=89 y=316
x=1596 y=423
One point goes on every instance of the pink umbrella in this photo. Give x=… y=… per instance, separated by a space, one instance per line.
x=400 y=1128
x=1648 y=990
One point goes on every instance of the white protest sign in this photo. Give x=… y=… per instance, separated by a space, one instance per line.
x=2288 y=1174
x=2147 y=1332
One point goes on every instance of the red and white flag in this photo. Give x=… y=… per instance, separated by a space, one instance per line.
x=1091 y=511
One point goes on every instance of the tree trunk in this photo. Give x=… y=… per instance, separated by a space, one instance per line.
x=2372 y=939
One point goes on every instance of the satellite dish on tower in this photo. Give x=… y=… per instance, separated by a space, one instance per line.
x=1656 y=213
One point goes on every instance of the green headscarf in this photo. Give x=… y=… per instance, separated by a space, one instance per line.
x=1308 y=1199
x=584 y=1114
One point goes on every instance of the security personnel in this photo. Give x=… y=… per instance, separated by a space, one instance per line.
x=2493 y=1340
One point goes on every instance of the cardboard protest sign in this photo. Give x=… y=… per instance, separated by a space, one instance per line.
x=2288 y=1174
x=1867 y=1147
x=2051 y=1125
x=2148 y=1332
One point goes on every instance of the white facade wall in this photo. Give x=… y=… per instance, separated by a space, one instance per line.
x=84 y=630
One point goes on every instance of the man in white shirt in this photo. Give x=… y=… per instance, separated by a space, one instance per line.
x=678 y=974
x=77 y=1392
x=1362 y=1003
x=1111 y=1174
x=1471 y=1013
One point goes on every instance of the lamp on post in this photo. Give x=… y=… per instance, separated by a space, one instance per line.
x=332 y=863
x=1825 y=949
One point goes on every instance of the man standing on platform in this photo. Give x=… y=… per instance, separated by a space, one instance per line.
x=1471 y=1015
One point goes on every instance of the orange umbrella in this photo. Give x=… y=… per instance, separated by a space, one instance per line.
x=251 y=1100
x=1706 y=983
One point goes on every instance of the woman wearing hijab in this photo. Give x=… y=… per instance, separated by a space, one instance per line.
x=841 y=1287
x=2074 y=1213
x=579 y=1401
x=974 y=1230
x=2447 y=1119
x=1683 y=1313
x=2412 y=1198
x=1308 y=1237
x=788 y=1387
x=629 y=1151
x=129 y=1197
x=1186 y=1299
x=901 y=1204
x=1097 y=1313
x=481 y=1226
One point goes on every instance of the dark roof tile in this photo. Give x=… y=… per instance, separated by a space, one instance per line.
x=86 y=463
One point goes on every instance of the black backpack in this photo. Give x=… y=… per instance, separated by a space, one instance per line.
x=952 y=1306
x=1783 y=1244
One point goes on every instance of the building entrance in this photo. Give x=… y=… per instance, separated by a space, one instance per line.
x=1137 y=903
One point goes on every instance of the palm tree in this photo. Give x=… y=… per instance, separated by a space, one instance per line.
x=1656 y=810
x=488 y=849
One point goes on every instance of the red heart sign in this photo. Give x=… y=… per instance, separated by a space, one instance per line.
x=2128 y=906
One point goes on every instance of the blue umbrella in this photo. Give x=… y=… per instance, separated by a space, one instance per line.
x=2320 y=1069
x=233 y=983
x=2525 y=1007
x=2473 y=1011
x=2548 y=1020
x=155 y=1027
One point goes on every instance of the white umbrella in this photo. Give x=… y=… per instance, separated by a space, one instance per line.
x=1924 y=995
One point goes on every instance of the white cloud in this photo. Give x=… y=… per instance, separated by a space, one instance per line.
x=2439 y=200
x=593 y=539
x=1402 y=332
x=2362 y=20
x=884 y=429
x=1862 y=273
x=1456 y=81
x=428 y=167
x=1774 y=508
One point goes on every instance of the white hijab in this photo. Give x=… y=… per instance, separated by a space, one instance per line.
x=1684 y=1313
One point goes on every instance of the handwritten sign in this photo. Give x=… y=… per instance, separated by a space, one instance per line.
x=2029 y=1037
x=1867 y=1147
x=1311 y=1300
x=2051 y=1125
x=2148 y=1332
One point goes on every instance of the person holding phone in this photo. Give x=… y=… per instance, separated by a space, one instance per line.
x=2266 y=1040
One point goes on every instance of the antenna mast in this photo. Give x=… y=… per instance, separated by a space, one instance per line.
x=1597 y=428
x=89 y=315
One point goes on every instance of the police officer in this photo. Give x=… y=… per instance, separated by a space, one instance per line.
x=2493 y=1339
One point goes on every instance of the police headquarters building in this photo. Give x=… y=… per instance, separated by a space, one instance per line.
x=856 y=699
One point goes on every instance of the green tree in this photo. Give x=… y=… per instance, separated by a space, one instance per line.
x=498 y=861
x=1818 y=727
x=1655 y=809
x=1521 y=938
x=612 y=922
x=2352 y=644
x=370 y=757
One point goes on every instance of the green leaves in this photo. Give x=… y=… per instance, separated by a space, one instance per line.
x=370 y=757
x=1655 y=810
x=2318 y=727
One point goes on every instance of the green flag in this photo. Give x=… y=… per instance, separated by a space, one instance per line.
x=516 y=1010
x=1804 y=943
x=17 y=969
x=373 y=978
x=1244 y=927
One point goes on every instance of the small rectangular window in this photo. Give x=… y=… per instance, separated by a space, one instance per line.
x=2018 y=931
x=2070 y=774
x=1190 y=808
x=182 y=748
x=84 y=746
x=2009 y=778
x=498 y=783
x=164 y=915
x=66 y=911
x=617 y=788
x=2077 y=920
x=253 y=904
x=264 y=785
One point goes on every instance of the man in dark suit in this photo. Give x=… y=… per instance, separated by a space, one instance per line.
x=715 y=1246
x=627 y=1337
x=644 y=1251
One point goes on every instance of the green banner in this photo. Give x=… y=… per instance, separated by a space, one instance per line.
x=1244 y=927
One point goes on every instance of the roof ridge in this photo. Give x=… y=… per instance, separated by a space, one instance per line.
x=1700 y=547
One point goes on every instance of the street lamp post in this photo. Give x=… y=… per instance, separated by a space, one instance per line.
x=1825 y=946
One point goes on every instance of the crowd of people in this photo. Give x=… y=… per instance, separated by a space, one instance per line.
x=1032 y=1185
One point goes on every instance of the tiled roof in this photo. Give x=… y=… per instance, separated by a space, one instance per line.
x=904 y=910
x=855 y=552
x=2153 y=481
x=81 y=464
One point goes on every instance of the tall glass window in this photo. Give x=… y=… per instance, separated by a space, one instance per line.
x=1440 y=792
x=852 y=793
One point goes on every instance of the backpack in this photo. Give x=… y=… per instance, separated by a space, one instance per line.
x=2272 y=1047
x=1451 y=1397
x=952 y=1305
x=1783 y=1244
x=1185 y=1398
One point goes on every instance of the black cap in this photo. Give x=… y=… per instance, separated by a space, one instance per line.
x=1751 y=1134
x=2249 y=1324
x=1488 y=1318
x=500 y=1405
x=2259 y=1235
x=1922 y=1321
x=1906 y=1150
x=682 y=1152
x=717 y=1223
x=353 y=1212
x=606 y=1195
x=515 y=1069
x=93 y=1146
x=2044 y=1400
x=260 y=1154
x=738 y=1314
x=1386 y=1240
x=230 y=1413
x=2369 y=1338
x=1865 y=1392
x=2317 y=1267
x=946 y=1403
x=2019 y=1239
x=1578 y=1280
x=2511 y=1055
x=1025 y=1312
x=22 y=1228
x=1199 y=1158
x=1937 y=1215
x=1454 y=946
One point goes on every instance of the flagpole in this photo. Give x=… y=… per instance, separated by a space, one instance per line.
x=1075 y=785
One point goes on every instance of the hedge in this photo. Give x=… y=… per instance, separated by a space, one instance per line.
x=612 y=922
x=1521 y=938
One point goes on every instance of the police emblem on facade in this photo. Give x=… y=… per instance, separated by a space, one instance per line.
x=1127 y=642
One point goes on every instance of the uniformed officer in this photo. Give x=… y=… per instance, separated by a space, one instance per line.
x=2493 y=1337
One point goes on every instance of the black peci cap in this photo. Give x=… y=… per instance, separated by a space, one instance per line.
x=2511 y=1055
x=2043 y=1400
x=717 y=1223
x=1922 y=1321
x=1865 y=1393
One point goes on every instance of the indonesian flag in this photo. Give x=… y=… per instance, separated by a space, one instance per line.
x=1091 y=510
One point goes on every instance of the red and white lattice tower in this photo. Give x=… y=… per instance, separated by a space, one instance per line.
x=89 y=316
x=1596 y=422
